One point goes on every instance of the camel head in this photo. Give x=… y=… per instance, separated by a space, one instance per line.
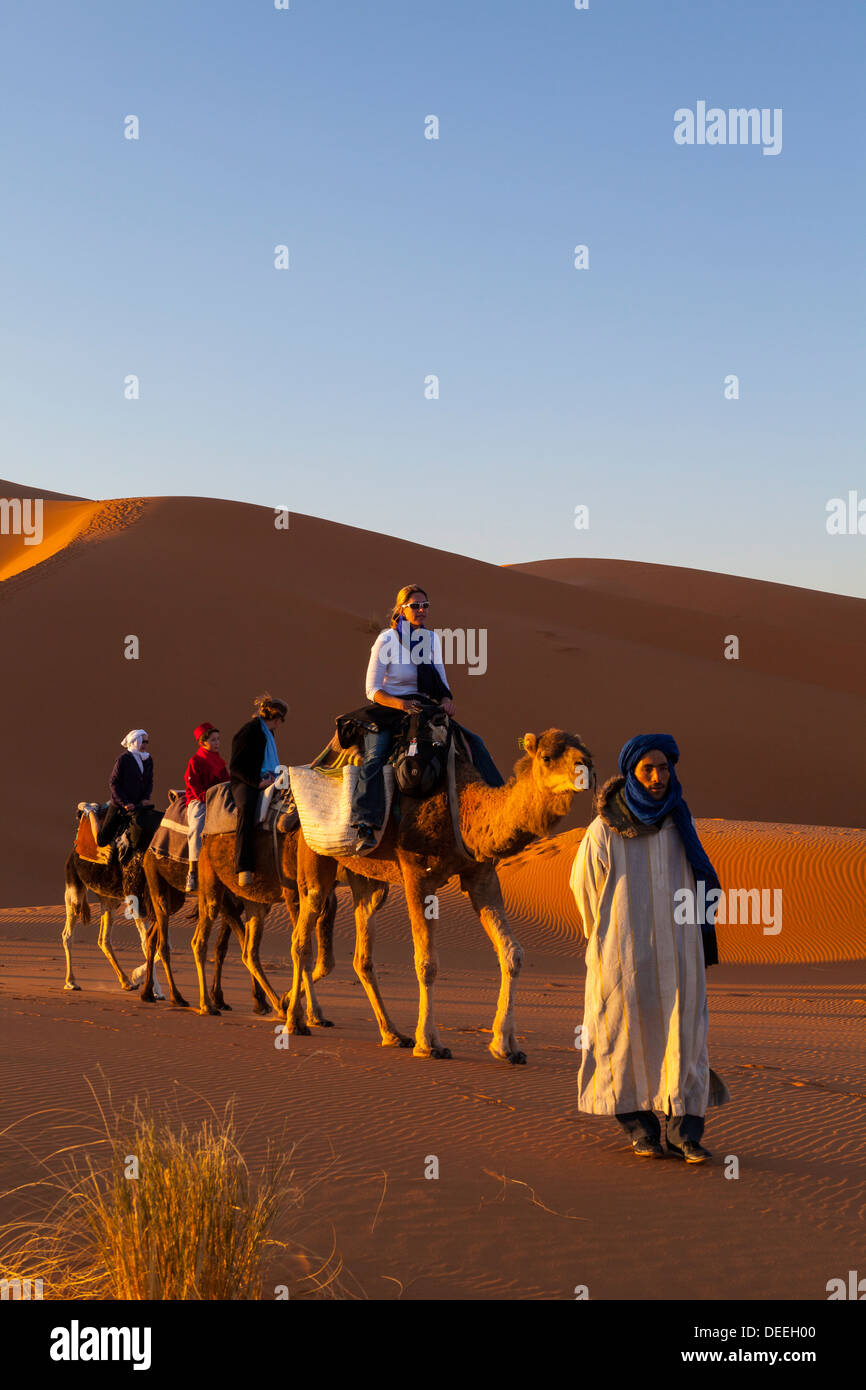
x=559 y=764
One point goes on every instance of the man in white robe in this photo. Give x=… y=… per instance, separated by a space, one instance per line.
x=645 y=1018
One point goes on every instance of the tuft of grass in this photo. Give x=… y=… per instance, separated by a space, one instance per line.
x=167 y=1210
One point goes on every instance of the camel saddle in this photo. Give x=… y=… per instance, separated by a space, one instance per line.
x=276 y=808
x=85 y=843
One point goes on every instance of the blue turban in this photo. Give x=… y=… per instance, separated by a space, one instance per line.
x=649 y=811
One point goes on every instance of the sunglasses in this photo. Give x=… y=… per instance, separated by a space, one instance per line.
x=416 y=607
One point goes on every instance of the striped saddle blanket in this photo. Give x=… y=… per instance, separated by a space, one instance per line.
x=170 y=840
x=323 y=796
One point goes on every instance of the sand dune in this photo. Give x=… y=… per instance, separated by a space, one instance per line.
x=820 y=873
x=224 y=604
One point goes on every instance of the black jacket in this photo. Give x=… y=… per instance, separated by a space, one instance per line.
x=131 y=784
x=248 y=753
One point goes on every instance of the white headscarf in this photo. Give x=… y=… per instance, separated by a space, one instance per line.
x=132 y=743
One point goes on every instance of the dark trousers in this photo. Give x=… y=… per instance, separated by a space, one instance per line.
x=677 y=1127
x=247 y=801
x=116 y=821
x=482 y=759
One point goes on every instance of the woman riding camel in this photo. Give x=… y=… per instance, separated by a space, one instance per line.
x=131 y=787
x=254 y=765
x=204 y=770
x=404 y=673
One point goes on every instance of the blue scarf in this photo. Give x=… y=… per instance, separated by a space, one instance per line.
x=649 y=811
x=271 y=761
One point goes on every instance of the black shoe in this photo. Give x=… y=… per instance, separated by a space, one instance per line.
x=645 y=1147
x=366 y=840
x=691 y=1151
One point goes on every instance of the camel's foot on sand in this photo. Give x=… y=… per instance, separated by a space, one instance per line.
x=70 y=984
x=208 y=1009
x=320 y=1022
x=512 y=1055
x=262 y=1008
x=147 y=996
x=437 y=1051
x=397 y=1040
x=126 y=986
x=178 y=1002
x=221 y=1004
x=299 y=1029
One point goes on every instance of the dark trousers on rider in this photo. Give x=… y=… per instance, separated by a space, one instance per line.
x=116 y=821
x=246 y=799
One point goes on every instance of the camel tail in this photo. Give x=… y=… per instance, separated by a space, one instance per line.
x=76 y=893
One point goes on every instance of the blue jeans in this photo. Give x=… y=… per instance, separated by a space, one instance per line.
x=678 y=1128
x=482 y=759
x=368 y=802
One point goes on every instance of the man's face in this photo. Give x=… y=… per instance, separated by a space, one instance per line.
x=654 y=772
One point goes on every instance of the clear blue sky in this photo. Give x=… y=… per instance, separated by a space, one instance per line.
x=558 y=387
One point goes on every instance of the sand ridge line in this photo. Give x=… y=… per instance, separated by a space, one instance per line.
x=110 y=517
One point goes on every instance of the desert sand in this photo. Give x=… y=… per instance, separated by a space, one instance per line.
x=532 y=1197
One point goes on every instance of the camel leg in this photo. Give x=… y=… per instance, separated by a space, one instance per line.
x=219 y=955
x=325 y=937
x=427 y=1040
x=106 y=947
x=209 y=901
x=158 y=943
x=74 y=898
x=311 y=907
x=254 y=928
x=143 y=976
x=369 y=896
x=486 y=897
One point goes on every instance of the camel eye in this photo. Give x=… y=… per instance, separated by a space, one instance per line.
x=545 y=757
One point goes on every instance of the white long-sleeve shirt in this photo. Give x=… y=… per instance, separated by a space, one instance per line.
x=391 y=667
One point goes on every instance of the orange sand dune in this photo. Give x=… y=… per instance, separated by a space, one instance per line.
x=224 y=604
x=821 y=873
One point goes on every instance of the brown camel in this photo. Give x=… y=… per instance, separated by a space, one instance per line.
x=111 y=884
x=166 y=884
x=217 y=877
x=421 y=853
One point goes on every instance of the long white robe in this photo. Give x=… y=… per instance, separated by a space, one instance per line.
x=645 y=1008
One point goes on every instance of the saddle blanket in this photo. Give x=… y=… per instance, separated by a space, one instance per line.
x=170 y=840
x=324 y=801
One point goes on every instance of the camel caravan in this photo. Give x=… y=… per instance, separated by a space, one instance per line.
x=403 y=794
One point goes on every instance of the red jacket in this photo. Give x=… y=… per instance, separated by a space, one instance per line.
x=204 y=770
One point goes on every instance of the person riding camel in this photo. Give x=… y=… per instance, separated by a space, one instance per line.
x=204 y=770
x=404 y=673
x=253 y=765
x=131 y=787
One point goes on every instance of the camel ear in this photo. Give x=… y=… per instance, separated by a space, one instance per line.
x=530 y=743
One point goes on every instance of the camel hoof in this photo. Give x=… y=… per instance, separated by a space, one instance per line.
x=517 y=1059
x=178 y=1002
x=299 y=1029
x=71 y=985
x=261 y=1008
x=321 y=1023
x=126 y=985
x=437 y=1052
x=397 y=1040
x=208 y=1009
x=147 y=996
